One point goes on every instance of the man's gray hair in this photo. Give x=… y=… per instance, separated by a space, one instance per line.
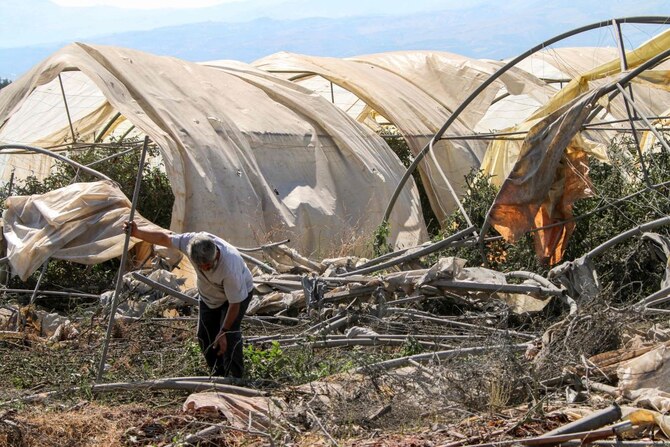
x=202 y=249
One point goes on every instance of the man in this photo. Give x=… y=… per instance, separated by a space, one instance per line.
x=225 y=287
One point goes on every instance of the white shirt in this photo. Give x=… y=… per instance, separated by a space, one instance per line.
x=229 y=280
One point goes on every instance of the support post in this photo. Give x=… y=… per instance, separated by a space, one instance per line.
x=5 y=269
x=39 y=281
x=631 y=116
x=652 y=129
x=124 y=256
x=67 y=109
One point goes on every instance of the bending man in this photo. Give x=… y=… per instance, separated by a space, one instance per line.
x=225 y=287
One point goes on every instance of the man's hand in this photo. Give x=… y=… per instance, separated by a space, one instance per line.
x=221 y=343
x=130 y=226
x=152 y=236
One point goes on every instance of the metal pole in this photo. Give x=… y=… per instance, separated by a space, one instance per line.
x=413 y=255
x=39 y=281
x=490 y=80
x=459 y=204
x=11 y=184
x=101 y=135
x=652 y=129
x=52 y=292
x=67 y=109
x=607 y=123
x=593 y=421
x=76 y=165
x=631 y=116
x=124 y=255
x=123 y=137
x=620 y=46
x=118 y=154
x=622 y=81
x=5 y=267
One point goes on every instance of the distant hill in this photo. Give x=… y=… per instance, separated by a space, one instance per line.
x=471 y=28
x=39 y=22
x=254 y=39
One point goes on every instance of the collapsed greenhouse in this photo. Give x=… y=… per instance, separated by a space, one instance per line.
x=297 y=148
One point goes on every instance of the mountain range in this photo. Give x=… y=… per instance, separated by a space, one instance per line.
x=248 y=30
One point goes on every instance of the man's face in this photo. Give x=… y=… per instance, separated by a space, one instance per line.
x=207 y=266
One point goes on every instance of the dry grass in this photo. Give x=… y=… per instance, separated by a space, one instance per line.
x=92 y=424
x=443 y=396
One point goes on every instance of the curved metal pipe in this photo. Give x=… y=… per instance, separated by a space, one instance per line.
x=56 y=156
x=613 y=86
x=495 y=76
x=571 y=303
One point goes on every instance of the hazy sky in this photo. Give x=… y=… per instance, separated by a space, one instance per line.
x=246 y=30
x=142 y=4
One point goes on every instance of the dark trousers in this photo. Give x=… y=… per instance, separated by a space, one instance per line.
x=210 y=321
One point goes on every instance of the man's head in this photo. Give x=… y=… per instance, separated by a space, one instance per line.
x=203 y=251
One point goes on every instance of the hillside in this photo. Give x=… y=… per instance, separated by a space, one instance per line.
x=246 y=31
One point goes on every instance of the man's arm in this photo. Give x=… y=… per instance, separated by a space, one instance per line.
x=156 y=237
x=231 y=315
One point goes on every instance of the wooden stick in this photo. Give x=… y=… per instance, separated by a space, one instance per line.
x=165 y=289
x=191 y=384
x=414 y=254
x=440 y=355
x=214 y=430
x=416 y=314
x=122 y=266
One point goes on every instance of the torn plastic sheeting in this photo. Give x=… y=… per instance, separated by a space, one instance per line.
x=271 y=152
x=388 y=92
x=452 y=268
x=522 y=304
x=444 y=268
x=160 y=276
x=286 y=259
x=242 y=412
x=82 y=222
x=650 y=398
x=579 y=277
x=649 y=370
x=661 y=246
x=549 y=176
x=647 y=417
x=276 y=301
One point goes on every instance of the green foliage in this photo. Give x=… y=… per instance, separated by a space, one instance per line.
x=499 y=255
x=629 y=269
x=299 y=365
x=398 y=145
x=154 y=202
x=190 y=358
x=267 y=364
x=4 y=83
x=410 y=347
x=381 y=245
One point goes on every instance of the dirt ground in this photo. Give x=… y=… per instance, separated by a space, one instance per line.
x=410 y=410
x=89 y=424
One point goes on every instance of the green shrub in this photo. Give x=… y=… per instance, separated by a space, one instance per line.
x=298 y=364
x=154 y=202
x=381 y=245
x=629 y=269
x=398 y=145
